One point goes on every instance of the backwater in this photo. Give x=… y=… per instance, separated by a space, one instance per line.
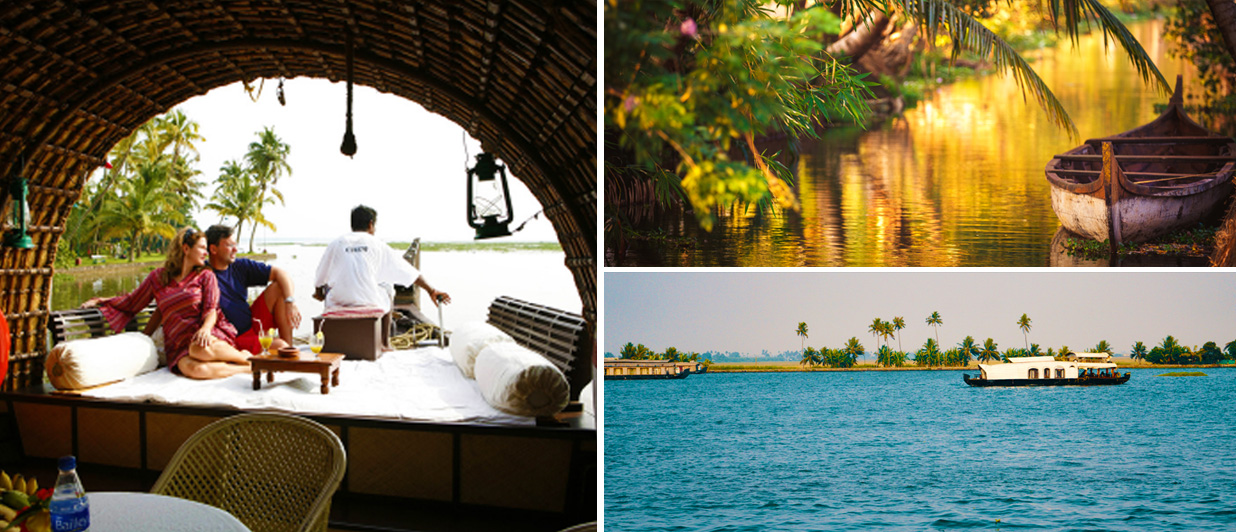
x=955 y=181
x=918 y=450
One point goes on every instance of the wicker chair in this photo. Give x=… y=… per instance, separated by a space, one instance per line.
x=274 y=472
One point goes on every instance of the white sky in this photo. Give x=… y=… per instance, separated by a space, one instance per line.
x=751 y=311
x=409 y=165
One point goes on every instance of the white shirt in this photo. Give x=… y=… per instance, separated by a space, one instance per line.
x=361 y=271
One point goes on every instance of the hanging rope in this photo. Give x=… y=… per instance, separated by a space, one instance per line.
x=349 y=140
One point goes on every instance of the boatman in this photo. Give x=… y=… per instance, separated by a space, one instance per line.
x=359 y=270
x=274 y=308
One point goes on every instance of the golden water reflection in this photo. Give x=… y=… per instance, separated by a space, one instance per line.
x=956 y=181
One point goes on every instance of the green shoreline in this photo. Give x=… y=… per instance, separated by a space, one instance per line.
x=729 y=368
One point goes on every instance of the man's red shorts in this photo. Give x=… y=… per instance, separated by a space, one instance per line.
x=248 y=340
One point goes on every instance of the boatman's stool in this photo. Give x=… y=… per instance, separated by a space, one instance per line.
x=358 y=333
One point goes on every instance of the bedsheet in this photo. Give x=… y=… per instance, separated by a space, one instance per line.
x=422 y=384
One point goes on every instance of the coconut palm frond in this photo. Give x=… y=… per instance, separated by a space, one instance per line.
x=968 y=33
x=1112 y=27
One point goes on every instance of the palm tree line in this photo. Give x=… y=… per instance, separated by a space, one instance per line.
x=631 y=351
x=152 y=188
x=931 y=354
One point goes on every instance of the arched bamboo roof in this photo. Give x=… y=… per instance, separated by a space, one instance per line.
x=79 y=76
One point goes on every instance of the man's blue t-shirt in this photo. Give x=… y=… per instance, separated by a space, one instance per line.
x=234 y=283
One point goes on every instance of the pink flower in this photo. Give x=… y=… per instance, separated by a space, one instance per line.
x=688 y=27
x=629 y=103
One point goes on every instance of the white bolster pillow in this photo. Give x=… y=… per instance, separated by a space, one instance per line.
x=88 y=362
x=469 y=339
x=517 y=381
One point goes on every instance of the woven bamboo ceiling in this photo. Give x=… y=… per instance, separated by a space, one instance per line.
x=79 y=76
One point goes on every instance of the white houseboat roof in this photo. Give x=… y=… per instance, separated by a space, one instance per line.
x=1030 y=360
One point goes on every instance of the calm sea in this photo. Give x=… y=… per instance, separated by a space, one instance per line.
x=919 y=450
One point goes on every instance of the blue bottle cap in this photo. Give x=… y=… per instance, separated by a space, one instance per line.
x=68 y=463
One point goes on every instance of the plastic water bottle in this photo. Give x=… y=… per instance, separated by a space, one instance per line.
x=70 y=510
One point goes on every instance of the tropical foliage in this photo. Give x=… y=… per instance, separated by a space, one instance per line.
x=152 y=188
x=689 y=83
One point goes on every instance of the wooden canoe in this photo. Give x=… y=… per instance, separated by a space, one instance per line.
x=1166 y=175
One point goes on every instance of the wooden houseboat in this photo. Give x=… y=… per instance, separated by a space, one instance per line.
x=1166 y=175
x=625 y=369
x=1079 y=369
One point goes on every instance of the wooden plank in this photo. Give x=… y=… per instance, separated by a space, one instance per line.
x=1147 y=175
x=1160 y=140
x=1152 y=158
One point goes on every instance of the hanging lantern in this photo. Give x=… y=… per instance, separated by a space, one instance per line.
x=487 y=194
x=19 y=215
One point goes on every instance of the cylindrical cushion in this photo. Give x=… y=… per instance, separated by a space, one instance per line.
x=518 y=381
x=469 y=339
x=88 y=362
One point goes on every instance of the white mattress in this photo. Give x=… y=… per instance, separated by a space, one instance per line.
x=422 y=384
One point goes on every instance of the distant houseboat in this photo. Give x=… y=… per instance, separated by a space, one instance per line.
x=1080 y=369
x=625 y=369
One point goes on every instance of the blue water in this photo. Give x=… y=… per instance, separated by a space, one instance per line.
x=919 y=450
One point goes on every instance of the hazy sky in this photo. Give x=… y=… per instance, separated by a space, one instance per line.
x=409 y=165
x=752 y=311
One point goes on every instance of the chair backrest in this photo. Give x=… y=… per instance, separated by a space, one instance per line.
x=77 y=323
x=273 y=472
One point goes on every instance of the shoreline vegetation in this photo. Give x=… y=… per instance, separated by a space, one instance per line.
x=778 y=367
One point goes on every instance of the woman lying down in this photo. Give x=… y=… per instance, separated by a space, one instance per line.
x=200 y=343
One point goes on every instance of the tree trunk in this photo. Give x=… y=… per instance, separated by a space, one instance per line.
x=1224 y=12
x=863 y=38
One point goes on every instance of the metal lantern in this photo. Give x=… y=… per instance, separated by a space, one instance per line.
x=19 y=215
x=487 y=194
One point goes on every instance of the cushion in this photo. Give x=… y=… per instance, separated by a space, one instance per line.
x=345 y=313
x=516 y=380
x=468 y=339
x=89 y=362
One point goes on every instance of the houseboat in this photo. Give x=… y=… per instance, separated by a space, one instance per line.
x=1078 y=369
x=626 y=369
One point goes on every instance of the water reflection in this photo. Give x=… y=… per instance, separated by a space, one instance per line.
x=956 y=181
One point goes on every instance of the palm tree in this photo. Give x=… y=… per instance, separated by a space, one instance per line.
x=237 y=196
x=809 y=356
x=990 y=351
x=1034 y=350
x=899 y=323
x=143 y=208
x=968 y=349
x=936 y=321
x=1103 y=347
x=1023 y=323
x=628 y=351
x=802 y=333
x=877 y=330
x=671 y=354
x=852 y=351
x=1229 y=349
x=268 y=160
x=929 y=355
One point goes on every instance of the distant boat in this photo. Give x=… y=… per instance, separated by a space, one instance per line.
x=1081 y=369
x=628 y=369
x=1166 y=175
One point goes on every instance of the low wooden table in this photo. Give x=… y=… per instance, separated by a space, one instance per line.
x=325 y=364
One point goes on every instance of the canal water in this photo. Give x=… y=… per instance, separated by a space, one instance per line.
x=472 y=278
x=956 y=181
x=918 y=450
